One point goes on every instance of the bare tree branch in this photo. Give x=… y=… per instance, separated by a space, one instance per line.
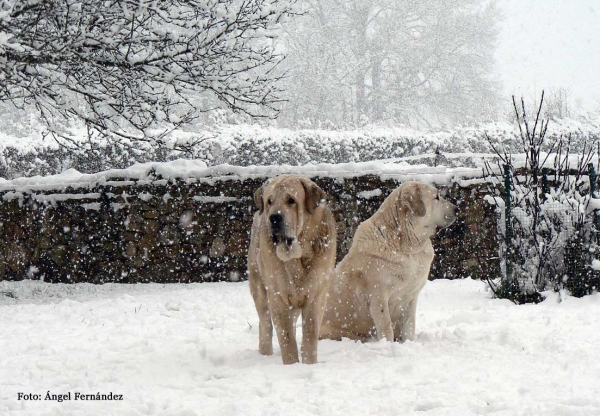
x=129 y=68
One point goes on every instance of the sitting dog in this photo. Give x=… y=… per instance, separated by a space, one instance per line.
x=376 y=286
x=290 y=263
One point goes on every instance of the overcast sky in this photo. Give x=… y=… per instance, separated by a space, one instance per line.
x=551 y=43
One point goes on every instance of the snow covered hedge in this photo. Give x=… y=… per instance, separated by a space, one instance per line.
x=245 y=145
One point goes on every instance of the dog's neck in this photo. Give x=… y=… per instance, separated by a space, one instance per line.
x=296 y=268
x=313 y=241
x=314 y=234
x=396 y=231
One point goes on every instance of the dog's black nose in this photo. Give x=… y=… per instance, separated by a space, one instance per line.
x=276 y=219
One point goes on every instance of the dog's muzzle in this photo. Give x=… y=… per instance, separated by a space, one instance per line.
x=278 y=230
x=451 y=217
x=278 y=239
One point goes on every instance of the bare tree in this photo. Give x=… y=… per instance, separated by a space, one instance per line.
x=558 y=104
x=132 y=70
x=418 y=63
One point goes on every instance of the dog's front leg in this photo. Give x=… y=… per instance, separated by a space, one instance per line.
x=312 y=314
x=405 y=328
x=265 y=326
x=380 y=313
x=283 y=319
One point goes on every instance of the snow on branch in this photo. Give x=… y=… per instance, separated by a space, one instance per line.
x=129 y=68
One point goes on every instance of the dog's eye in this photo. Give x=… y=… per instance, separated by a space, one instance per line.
x=291 y=201
x=269 y=202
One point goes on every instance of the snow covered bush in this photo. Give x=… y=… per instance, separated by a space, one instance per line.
x=245 y=145
x=16 y=161
x=549 y=234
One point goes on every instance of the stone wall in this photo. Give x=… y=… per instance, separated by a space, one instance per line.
x=196 y=230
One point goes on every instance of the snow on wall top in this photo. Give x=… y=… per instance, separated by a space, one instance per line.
x=193 y=170
x=197 y=170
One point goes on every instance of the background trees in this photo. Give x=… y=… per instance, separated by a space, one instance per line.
x=135 y=69
x=413 y=62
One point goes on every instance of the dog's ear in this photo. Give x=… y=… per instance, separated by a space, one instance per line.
x=412 y=198
x=313 y=195
x=258 y=200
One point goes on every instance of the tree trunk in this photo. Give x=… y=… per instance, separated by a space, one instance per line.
x=376 y=93
x=361 y=105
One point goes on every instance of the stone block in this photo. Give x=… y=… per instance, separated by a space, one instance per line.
x=58 y=254
x=217 y=247
x=16 y=257
x=130 y=236
x=151 y=214
x=151 y=226
x=13 y=231
x=45 y=242
x=169 y=235
x=130 y=250
x=135 y=217
x=148 y=243
x=237 y=244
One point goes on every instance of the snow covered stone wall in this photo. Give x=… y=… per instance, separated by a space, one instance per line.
x=185 y=222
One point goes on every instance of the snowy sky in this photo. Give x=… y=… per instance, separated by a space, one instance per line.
x=551 y=43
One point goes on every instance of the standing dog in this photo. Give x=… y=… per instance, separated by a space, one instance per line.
x=376 y=286
x=290 y=262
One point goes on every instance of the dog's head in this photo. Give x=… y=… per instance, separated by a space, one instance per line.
x=424 y=205
x=285 y=202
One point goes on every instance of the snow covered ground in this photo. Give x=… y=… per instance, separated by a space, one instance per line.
x=191 y=350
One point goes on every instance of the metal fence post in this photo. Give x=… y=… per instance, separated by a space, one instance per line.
x=508 y=228
x=592 y=173
x=545 y=188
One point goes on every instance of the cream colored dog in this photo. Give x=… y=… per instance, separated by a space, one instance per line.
x=290 y=263
x=376 y=286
